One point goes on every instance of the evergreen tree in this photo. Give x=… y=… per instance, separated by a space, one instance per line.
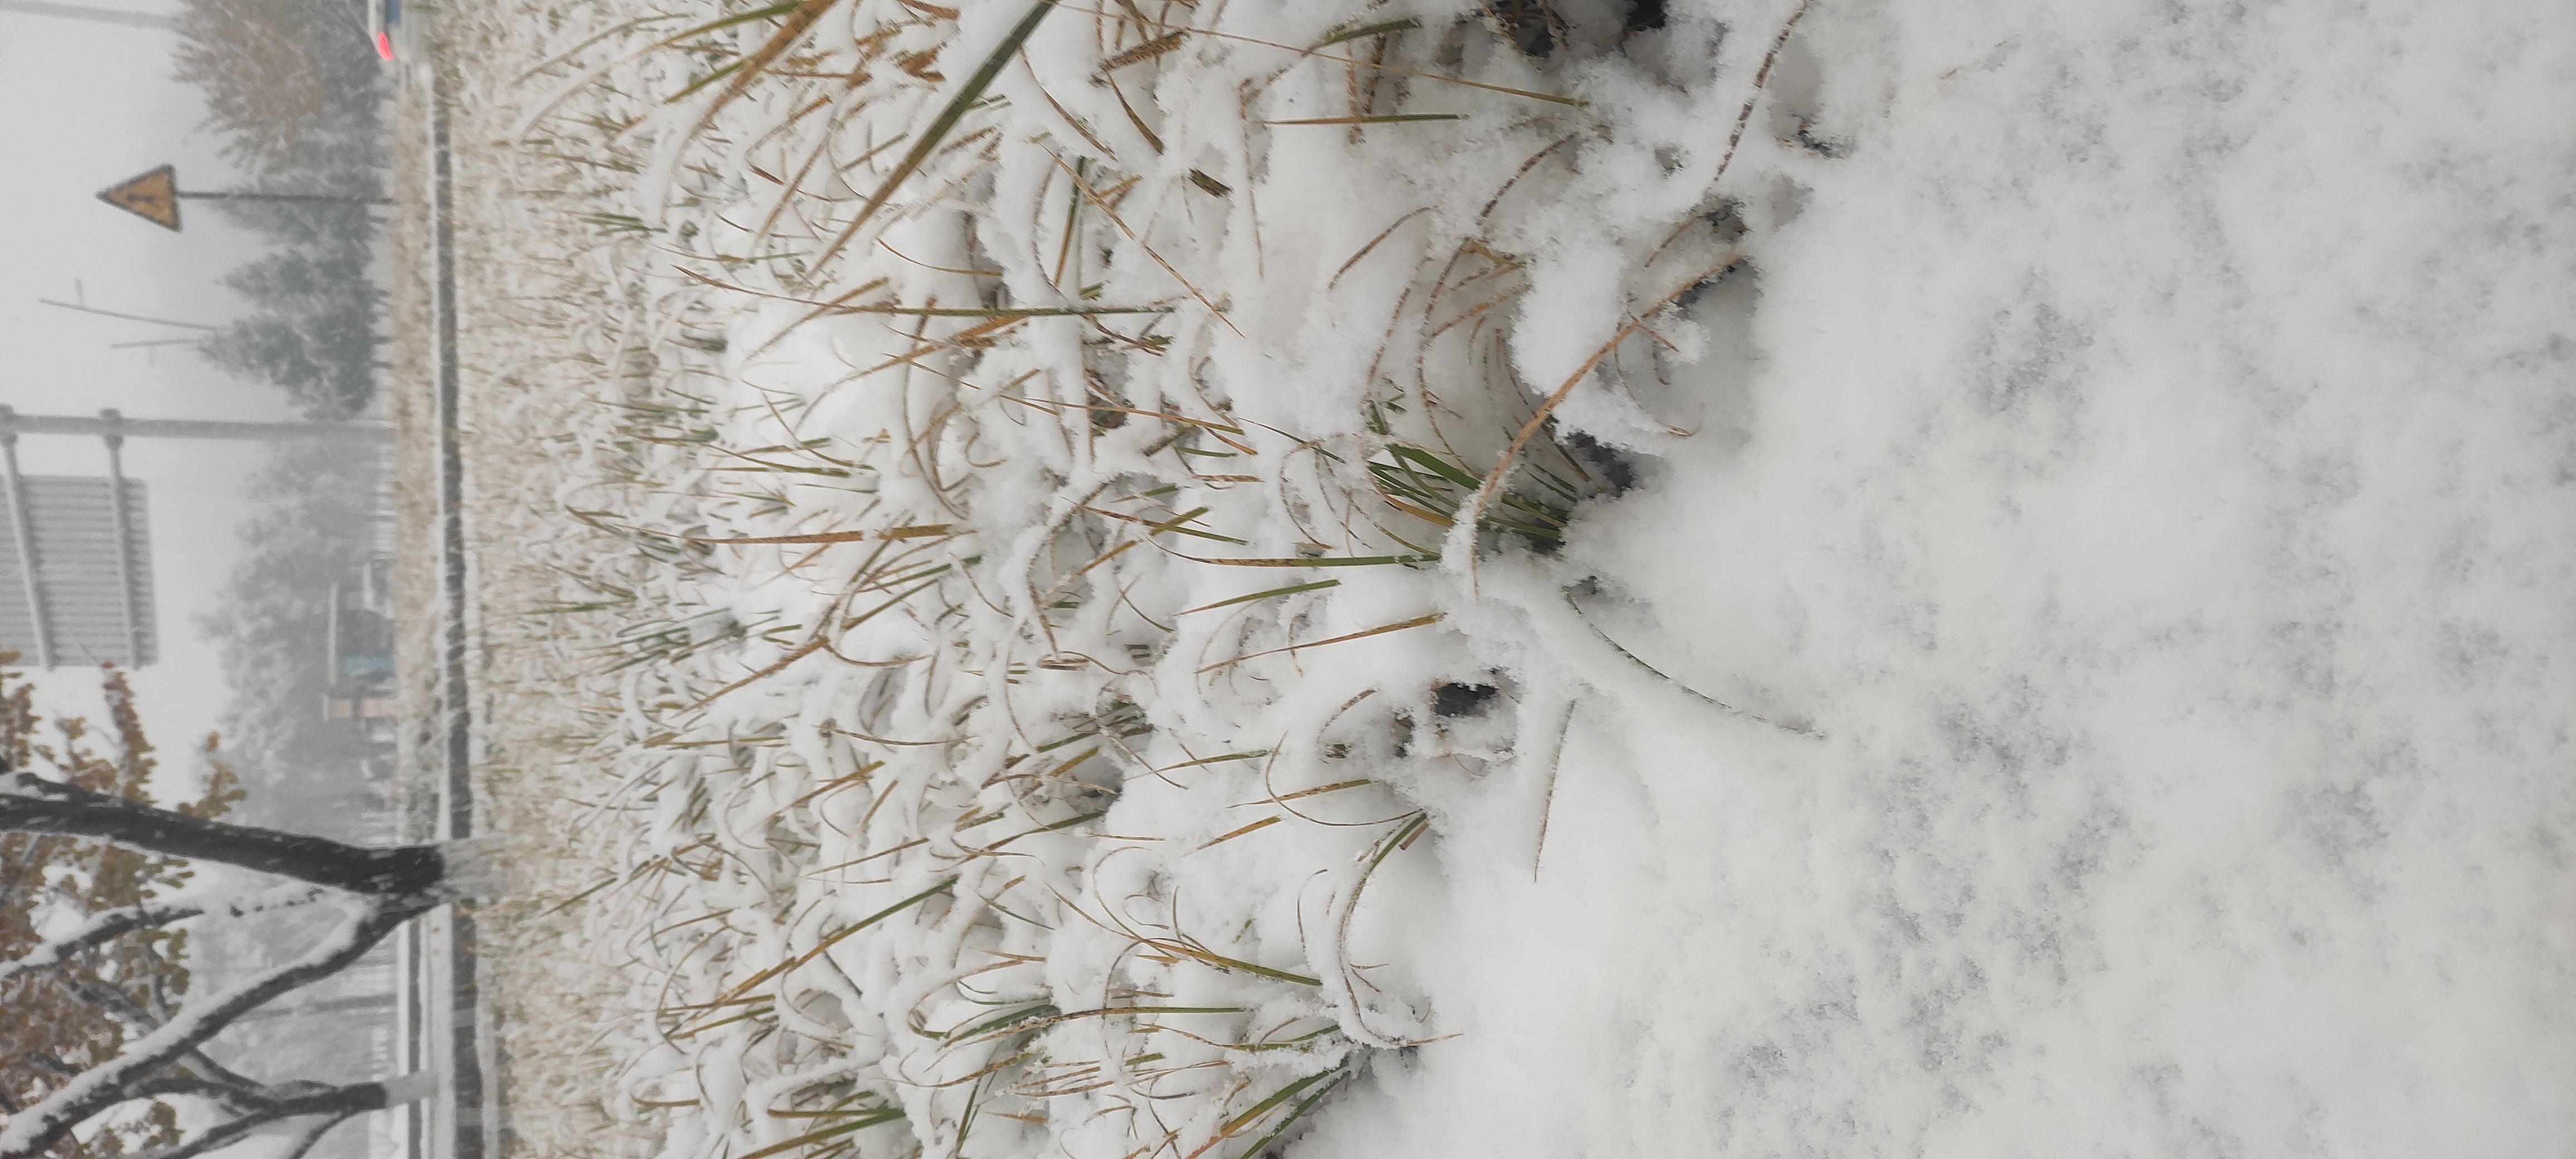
x=314 y=528
x=315 y=334
x=299 y=97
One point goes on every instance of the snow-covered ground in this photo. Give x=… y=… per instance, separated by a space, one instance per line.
x=2148 y=460
x=2054 y=638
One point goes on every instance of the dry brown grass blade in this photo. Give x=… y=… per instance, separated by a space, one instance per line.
x=1374 y=242
x=1342 y=60
x=1529 y=430
x=796 y=181
x=1080 y=130
x=749 y=70
x=983 y=330
x=1373 y=119
x=1142 y=52
x=1153 y=140
x=1301 y=794
x=1111 y=212
x=825 y=632
x=835 y=937
x=1761 y=78
x=528 y=120
x=1547 y=800
x=917 y=531
x=1159 y=526
x=1382 y=629
x=1255 y=827
x=1318 y=560
x=1218 y=429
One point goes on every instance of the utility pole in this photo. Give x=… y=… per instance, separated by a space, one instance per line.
x=79 y=12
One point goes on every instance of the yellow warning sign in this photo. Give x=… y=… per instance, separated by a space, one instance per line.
x=153 y=197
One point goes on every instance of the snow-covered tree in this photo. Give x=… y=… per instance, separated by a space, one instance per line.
x=103 y=1044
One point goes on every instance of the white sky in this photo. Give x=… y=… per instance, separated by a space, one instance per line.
x=89 y=106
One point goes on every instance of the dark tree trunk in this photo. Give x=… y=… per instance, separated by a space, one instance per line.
x=31 y=804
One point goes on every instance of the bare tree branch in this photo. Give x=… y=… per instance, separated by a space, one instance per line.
x=108 y=925
x=235 y=1099
x=208 y=1070
x=338 y=1103
x=29 y=1134
x=123 y=1008
x=315 y=1135
x=117 y=1003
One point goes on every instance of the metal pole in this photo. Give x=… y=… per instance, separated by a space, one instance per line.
x=124 y=539
x=323 y=198
x=25 y=527
x=331 y=645
x=13 y=424
x=407 y=983
x=78 y=12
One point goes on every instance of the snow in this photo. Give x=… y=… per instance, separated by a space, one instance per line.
x=2152 y=476
x=2082 y=669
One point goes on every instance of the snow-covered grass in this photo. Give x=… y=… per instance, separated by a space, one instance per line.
x=1010 y=591
x=1048 y=600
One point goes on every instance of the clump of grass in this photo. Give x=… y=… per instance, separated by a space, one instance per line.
x=1422 y=484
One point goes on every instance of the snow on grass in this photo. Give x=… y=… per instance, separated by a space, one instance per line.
x=1036 y=456
x=1078 y=640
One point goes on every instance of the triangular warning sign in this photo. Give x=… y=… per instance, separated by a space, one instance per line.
x=154 y=197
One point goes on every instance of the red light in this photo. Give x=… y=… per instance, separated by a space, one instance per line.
x=384 y=46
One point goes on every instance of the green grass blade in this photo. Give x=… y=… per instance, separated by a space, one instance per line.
x=1365 y=31
x=944 y=123
x=1378 y=119
x=1290 y=590
x=1322 y=560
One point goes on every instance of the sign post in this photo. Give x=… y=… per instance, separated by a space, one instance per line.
x=154 y=197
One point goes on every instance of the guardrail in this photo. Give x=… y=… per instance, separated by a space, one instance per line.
x=444 y=1020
